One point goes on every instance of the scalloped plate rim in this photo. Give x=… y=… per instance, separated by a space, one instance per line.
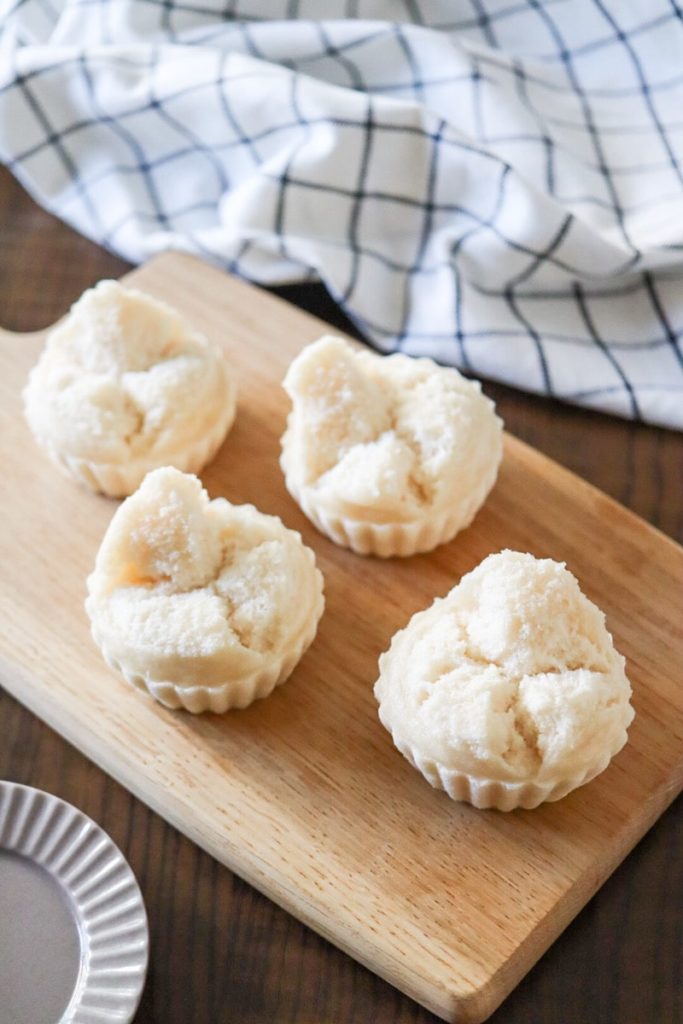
x=128 y=906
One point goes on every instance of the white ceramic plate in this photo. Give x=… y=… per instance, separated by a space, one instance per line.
x=73 y=928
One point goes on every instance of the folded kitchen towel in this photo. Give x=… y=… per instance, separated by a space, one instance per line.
x=497 y=184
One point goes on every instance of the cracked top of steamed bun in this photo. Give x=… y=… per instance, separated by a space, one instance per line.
x=181 y=579
x=512 y=676
x=386 y=438
x=125 y=377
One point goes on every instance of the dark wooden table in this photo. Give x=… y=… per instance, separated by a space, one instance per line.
x=221 y=952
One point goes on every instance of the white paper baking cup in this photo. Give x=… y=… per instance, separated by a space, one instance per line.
x=118 y=480
x=494 y=794
x=387 y=540
x=73 y=928
x=237 y=692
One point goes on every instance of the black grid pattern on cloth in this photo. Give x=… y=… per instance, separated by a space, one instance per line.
x=495 y=184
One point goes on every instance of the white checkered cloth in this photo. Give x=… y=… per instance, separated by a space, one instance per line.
x=497 y=184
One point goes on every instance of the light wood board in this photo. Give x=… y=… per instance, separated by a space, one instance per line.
x=303 y=794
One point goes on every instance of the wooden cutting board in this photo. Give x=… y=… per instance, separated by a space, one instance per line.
x=303 y=794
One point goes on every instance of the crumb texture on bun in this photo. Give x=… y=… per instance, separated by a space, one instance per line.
x=206 y=604
x=125 y=385
x=509 y=685
x=386 y=455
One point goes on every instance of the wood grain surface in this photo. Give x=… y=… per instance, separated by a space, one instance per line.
x=303 y=794
x=221 y=952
